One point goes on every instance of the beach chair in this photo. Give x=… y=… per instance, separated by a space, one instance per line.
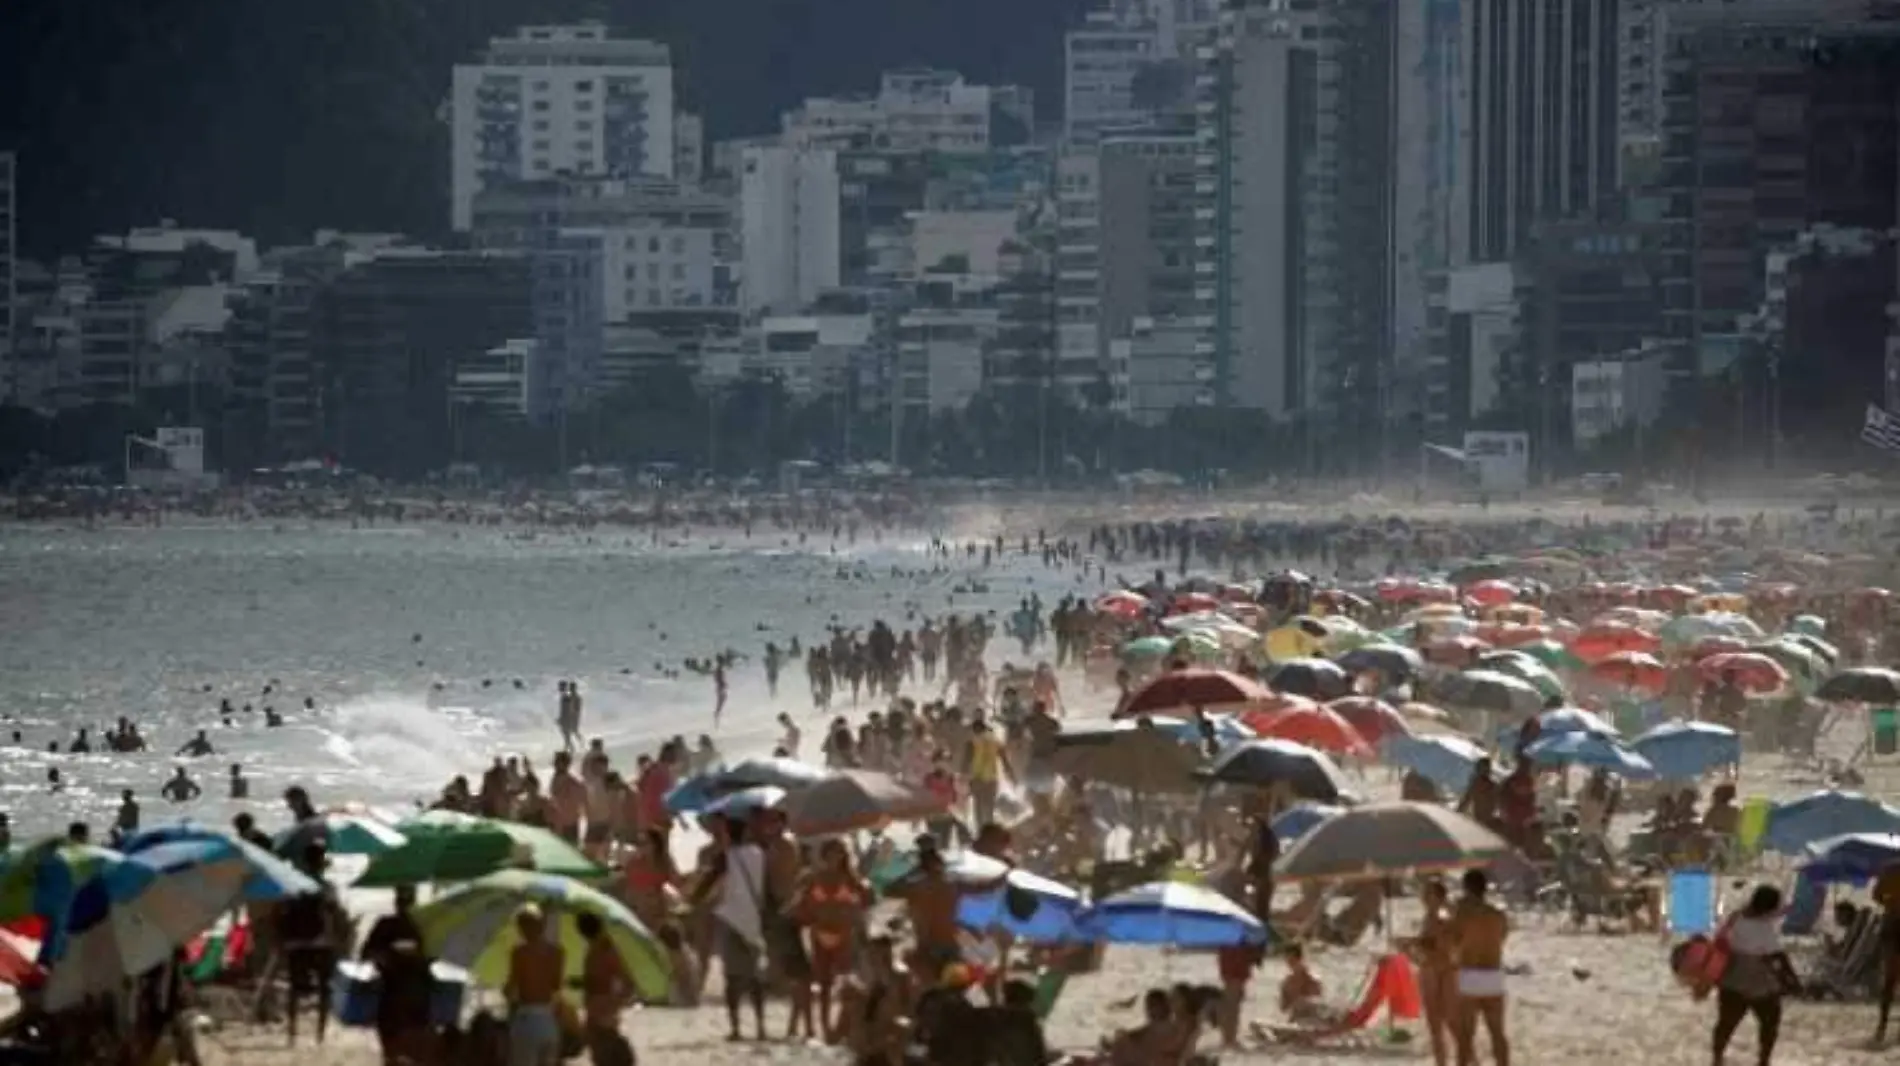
x=1854 y=973
x=1391 y=984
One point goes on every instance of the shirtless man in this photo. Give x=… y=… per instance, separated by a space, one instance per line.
x=1477 y=931
x=930 y=900
x=535 y=969
x=567 y=799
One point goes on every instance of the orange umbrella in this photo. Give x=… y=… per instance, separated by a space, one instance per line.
x=1632 y=669
x=1317 y=727
x=1753 y=671
x=1601 y=641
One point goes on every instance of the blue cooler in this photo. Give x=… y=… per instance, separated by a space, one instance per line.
x=355 y=988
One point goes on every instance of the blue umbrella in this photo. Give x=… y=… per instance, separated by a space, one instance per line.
x=695 y=793
x=1573 y=720
x=1297 y=819
x=1793 y=825
x=745 y=801
x=1025 y=905
x=1684 y=751
x=1170 y=912
x=1445 y=761
x=1855 y=858
x=1590 y=749
x=271 y=877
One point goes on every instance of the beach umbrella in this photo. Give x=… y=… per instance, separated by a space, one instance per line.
x=1193 y=602
x=1549 y=652
x=1396 y=662
x=1799 y=660
x=1828 y=653
x=854 y=800
x=1178 y=690
x=1751 y=671
x=1445 y=761
x=1632 y=669
x=1373 y=718
x=1525 y=668
x=696 y=792
x=271 y=877
x=1291 y=824
x=1147 y=648
x=450 y=846
x=1025 y=905
x=1714 y=644
x=1123 y=604
x=1490 y=593
x=1479 y=572
x=1573 y=720
x=1317 y=727
x=342 y=833
x=746 y=802
x=1398 y=839
x=135 y=910
x=1489 y=690
x=1795 y=824
x=1269 y=761
x=1862 y=684
x=1318 y=679
x=1126 y=754
x=1583 y=748
x=1457 y=651
x=1173 y=913
x=1259 y=716
x=1226 y=728
x=1807 y=625
x=1854 y=858
x=1684 y=751
x=1600 y=641
x=473 y=926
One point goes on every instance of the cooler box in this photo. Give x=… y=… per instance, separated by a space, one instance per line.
x=355 y=987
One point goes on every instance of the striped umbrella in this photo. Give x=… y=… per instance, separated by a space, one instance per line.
x=1170 y=912
x=38 y=883
x=137 y=909
x=271 y=877
x=447 y=846
x=474 y=927
x=1390 y=840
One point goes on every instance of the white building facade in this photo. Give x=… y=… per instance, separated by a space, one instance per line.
x=559 y=99
x=914 y=110
x=788 y=209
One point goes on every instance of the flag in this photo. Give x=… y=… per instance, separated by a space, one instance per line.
x=1882 y=430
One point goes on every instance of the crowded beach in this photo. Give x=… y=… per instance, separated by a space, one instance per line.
x=1484 y=790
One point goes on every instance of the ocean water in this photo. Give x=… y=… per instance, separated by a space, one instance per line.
x=411 y=642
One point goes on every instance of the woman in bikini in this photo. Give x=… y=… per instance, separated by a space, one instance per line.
x=649 y=875
x=832 y=904
x=1437 y=970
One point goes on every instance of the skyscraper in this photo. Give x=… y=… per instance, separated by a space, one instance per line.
x=7 y=232
x=788 y=210
x=559 y=99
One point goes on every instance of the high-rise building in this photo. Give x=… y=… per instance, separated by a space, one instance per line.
x=1147 y=229
x=689 y=149
x=8 y=230
x=559 y=99
x=1104 y=60
x=1430 y=226
x=1080 y=355
x=1256 y=106
x=789 y=219
x=1544 y=91
x=915 y=110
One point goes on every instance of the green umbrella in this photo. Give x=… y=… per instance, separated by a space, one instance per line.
x=1802 y=663
x=1552 y=654
x=1808 y=625
x=448 y=846
x=474 y=927
x=1148 y=648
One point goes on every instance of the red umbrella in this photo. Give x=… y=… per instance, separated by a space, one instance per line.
x=1632 y=669
x=1192 y=602
x=1317 y=727
x=1752 y=671
x=1603 y=640
x=1506 y=635
x=1123 y=604
x=1490 y=593
x=1373 y=718
x=1410 y=590
x=1259 y=714
x=1190 y=688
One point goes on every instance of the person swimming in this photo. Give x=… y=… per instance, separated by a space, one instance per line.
x=197 y=747
x=240 y=785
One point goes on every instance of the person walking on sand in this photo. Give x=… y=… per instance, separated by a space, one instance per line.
x=738 y=873
x=1755 y=977
x=1887 y=896
x=535 y=970
x=719 y=688
x=568 y=715
x=988 y=763
x=1478 y=930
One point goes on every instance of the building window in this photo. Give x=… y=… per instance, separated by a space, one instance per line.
x=540 y=125
x=633 y=272
x=653 y=245
x=679 y=246
x=583 y=105
x=540 y=105
x=584 y=126
x=583 y=147
x=583 y=86
x=541 y=146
